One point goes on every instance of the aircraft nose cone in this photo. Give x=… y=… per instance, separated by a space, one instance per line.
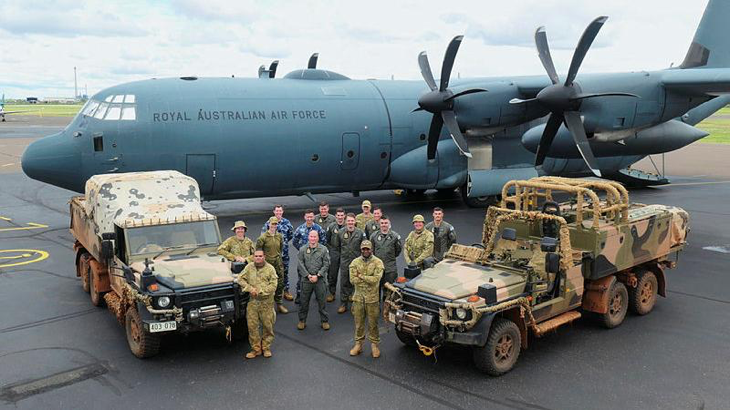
x=55 y=160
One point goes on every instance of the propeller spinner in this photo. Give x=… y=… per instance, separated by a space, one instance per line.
x=440 y=100
x=564 y=100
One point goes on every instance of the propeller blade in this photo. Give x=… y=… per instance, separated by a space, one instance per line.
x=467 y=92
x=575 y=126
x=433 y=136
x=417 y=109
x=453 y=127
x=272 y=68
x=313 y=61
x=426 y=70
x=584 y=44
x=548 y=135
x=448 y=63
x=262 y=68
x=521 y=101
x=593 y=95
x=543 y=51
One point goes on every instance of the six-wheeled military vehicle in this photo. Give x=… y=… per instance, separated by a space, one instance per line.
x=541 y=264
x=145 y=246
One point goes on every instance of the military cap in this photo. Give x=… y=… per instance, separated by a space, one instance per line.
x=367 y=203
x=366 y=244
x=418 y=218
x=273 y=220
x=239 y=224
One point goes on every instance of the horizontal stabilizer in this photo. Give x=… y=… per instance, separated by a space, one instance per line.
x=698 y=82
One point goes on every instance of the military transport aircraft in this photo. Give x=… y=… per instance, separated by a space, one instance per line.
x=317 y=131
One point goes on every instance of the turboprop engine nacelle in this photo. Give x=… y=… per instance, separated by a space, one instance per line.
x=665 y=137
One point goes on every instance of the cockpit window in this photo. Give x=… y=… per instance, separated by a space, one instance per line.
x=114 y=107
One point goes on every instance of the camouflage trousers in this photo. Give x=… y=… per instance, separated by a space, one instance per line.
x=279 y=266
x=261 y=316
x=319 y=289
x=333 y=272
x=366 y=314
x=285 y=268
x=346 y=288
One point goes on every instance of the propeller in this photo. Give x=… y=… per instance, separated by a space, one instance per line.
x=563 y=100
x=440 y=100
x=313 y=61
x=271 y=72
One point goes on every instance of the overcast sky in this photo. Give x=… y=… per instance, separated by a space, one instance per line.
x=115 y=42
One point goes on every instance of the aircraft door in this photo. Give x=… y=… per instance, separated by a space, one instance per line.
x=350 y=151
x=202 y=168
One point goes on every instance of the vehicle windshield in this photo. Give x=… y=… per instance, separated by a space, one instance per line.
x=153 y=239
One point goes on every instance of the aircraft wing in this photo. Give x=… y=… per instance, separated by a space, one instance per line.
x=12 y=112
x=702 y=81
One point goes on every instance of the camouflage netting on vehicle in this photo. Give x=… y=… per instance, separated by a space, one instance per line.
x=142 y=198
x=496 y=216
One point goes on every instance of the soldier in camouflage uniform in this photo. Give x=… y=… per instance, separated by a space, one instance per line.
x=365 y=274
x=324 y=218
x=332 y=231
x=387 y=246
x=419 y=245
x=237 y=248
x=362 y=218
x=373 y=225
x=348 y=241
x=286 y=230
x=314 y=262
x=272 y=243
x=259 y=279
x=300 y=239
x=444 y=234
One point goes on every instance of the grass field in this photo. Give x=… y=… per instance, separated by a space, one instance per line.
x=46 y=110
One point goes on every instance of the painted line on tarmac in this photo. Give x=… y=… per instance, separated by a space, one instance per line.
x=50 y=320
x=36 y=254
x=29 y=225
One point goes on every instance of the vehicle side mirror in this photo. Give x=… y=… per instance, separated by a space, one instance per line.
x=548 y=244
x=107 y=249
x=237 y=267
x=509 y=234
x=552 y=262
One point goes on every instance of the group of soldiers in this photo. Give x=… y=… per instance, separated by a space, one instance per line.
x=357 y=251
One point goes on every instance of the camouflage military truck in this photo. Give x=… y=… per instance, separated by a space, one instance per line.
x=145 y=246
x=541 y=264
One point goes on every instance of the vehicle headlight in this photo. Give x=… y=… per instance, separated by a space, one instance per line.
x=461 y=313
x=163 y=301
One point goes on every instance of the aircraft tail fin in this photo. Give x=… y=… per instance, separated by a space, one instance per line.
x=710 y=48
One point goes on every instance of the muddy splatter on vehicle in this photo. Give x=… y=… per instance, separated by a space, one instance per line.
x=542 y=264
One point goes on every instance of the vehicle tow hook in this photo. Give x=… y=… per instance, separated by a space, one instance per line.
x=228 y=334
x=428 y=351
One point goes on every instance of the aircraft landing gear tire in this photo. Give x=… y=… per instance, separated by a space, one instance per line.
x=500 y=353
x=142 y=344
x=643 y=297
x=406 y=339
x=97 y=298
x=618 y=304
x=478 y=202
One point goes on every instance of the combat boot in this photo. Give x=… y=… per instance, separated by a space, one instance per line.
x=267 y=353
x=376 y=350
x=357 y=349
x=282 y=309
x=253 y=354
x=301 y=325
x=326 y=325
x=330 y=298
x=288 y=296
x=342 y=309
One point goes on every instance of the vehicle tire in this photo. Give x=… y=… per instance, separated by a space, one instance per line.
x=618 y=304
x=643 y=297
x=84 y=273
x=406 y=339
x=142 y=344
x=240 y=329
x=500 y=353
x=97 y=298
